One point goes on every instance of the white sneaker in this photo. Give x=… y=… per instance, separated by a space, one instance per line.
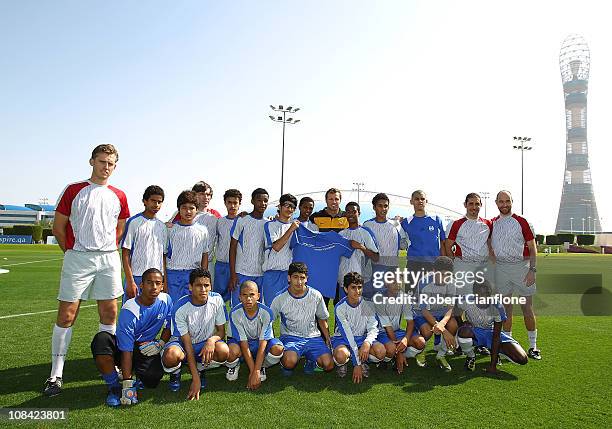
x=232 y=373
x=262 y=374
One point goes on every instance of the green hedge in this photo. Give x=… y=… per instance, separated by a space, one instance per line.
x=47 y=232
x=539 y=239
x=565 y=237
x=552 y=240
x=36 y=231
x=585 y=239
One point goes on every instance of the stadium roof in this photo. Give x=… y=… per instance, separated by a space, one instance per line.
x=10 y=207
x=41 y=207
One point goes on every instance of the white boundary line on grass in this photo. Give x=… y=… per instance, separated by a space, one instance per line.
x=10 y=316
x=30 y=262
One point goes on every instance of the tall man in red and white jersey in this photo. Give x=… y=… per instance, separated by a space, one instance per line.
x=89 y=219
x=514 y=247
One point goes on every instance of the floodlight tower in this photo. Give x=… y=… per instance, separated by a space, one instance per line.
x=284 y=120
x=574 y=62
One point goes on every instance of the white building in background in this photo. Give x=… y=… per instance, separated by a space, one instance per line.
x=29 y=214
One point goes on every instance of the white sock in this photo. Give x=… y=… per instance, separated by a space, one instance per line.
x=509 y=333
x=232 y=364
x=338 y=363
x=107 y=328
x=411 y=352
x=271 y=360
x=60 y=341
x=533 y=337
x=467 y=346
x=442 y=350
x=387 y=359
x=214 y=364
x=373 y=359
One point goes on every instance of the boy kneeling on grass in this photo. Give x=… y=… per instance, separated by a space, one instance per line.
x=356 y=330
x=252 y=336
x=134 y=347
x=484 y=328
x=199 y=329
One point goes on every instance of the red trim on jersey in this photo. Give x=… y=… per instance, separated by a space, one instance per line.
x=452 y=235
x=125 y=209
x=214 y=212
x=527 y=234
x=489 y=223
x=64 y=206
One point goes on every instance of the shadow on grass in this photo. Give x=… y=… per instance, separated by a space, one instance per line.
x=422 y=380
x=84 y=388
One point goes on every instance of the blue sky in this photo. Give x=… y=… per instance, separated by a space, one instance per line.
x=398 y=95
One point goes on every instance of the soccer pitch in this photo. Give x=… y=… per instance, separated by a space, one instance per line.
x=570 y=387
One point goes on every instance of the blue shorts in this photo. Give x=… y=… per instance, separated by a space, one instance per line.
x=383 y=338
x=311 y=348
x=138 y=281
x=484 y=337
x=254 y=344
x=235 y=298
x=273 y=283
x=340 y=341
x=178 y=283
x=222 y=276
x=197 y=348
x=419 y=320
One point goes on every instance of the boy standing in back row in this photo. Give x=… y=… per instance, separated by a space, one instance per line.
x=225 y=227
x=426 y=235
x=187 y=247
x=92 y=266
x=278 y=254
x=246 y=255
x=144 y=244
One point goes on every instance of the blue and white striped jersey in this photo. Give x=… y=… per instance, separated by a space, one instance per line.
x=250 y=253
x=259 y=327
x=310 y=225
x=391 y=314
x=139 y=323
x=147 y=241
x=225 y=228
x=210 y=222
x=186 y=244
x=357 y=262
x=298 y=315
x=390 y=238
x=274 y=260
x=432 y=291
x=199 y=321
x=357 y=321
x=483 y=317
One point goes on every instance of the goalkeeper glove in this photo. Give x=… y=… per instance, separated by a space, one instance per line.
x=129 y=393
x=152 y=348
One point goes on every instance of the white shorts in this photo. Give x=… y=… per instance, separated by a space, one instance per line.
x=464 y=284
x=90 y=275
x=510 y=279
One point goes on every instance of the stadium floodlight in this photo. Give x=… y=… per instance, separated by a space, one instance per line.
x=522 y=147
x=284 y=120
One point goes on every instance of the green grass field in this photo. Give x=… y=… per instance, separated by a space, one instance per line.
x=570 y=387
